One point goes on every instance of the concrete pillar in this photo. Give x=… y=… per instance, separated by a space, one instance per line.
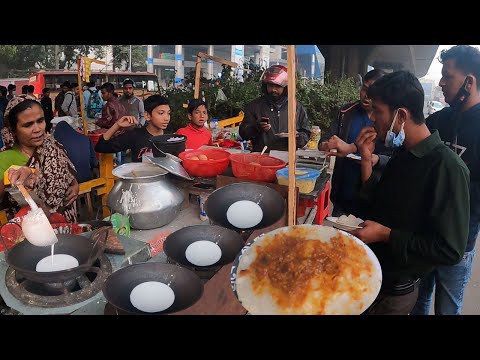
x=237 y=55
x=179 y=68
x=277 y=54
x=150 y=58
x=312 y=71
x=210 y=74
x=264 y=56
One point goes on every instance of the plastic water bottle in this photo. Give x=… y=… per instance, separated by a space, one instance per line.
x=214 y=124
x=203 y=214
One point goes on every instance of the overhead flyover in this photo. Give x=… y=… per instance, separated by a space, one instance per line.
x=350 y=60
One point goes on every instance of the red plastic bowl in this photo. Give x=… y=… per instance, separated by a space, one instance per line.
x=216 y=164
x=263 y=169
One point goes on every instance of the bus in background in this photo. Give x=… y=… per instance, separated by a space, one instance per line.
x=19 y=82
x=146 y=83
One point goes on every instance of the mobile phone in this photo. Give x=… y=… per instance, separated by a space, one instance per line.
x=265 y=119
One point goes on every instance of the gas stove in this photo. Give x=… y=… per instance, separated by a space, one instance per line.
x=81 y=296
x=50 y=295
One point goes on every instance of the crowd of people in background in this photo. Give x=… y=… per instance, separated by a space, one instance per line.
x=415 y=182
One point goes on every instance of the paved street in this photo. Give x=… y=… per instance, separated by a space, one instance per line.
x=472 y=293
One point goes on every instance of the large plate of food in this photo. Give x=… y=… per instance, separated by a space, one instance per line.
x=306 y=270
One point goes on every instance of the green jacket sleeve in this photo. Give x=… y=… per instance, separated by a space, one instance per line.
x=449 y=215
x=367 y=191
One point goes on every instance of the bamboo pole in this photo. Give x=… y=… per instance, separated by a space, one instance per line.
x=80 y=94
x=292 y=129
x=196 y=94
x=201 y=56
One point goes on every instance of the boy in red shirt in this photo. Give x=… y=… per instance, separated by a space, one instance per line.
x=197 y=135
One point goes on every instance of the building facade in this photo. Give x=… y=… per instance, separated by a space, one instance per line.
x=173 y=63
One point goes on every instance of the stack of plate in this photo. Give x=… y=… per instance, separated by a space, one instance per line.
x=341 y=226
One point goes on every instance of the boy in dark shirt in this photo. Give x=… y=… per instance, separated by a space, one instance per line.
x=157 y=113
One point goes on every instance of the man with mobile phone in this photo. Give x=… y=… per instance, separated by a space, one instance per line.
x=267 y=116
x=459 y=128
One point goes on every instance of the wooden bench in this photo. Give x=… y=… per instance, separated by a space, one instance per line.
x=101 y=185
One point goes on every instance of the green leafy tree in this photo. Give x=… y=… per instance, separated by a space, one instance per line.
x=70 y=53
x=121 y=57
x=322 y=101
x=20 y=60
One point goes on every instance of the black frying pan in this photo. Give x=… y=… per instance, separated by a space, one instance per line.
x=229 y=242
x=187 y=286
x=24 y=256
x=269 y=200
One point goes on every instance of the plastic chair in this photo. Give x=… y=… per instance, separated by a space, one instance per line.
x=323 y=204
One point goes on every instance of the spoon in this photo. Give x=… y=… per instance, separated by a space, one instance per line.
x=264 y=149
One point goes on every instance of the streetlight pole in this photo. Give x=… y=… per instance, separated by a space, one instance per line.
x=130 y=61
x=57 y=66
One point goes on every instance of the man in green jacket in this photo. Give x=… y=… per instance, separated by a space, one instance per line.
x=419 y=209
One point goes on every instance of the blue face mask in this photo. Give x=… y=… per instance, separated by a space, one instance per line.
x=392 y=140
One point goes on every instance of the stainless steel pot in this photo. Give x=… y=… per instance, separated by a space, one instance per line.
x=145 y=194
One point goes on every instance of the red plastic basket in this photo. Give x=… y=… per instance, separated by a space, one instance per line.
x=256 y=167
x=216 y=164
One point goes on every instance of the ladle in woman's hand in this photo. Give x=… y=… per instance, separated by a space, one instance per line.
x=27 y=197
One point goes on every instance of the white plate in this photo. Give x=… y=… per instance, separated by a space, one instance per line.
x=354 y=157
x=333 y=220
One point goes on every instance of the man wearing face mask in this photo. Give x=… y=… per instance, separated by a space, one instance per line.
x=459 y=127
x=418 y=209
x=267 y=116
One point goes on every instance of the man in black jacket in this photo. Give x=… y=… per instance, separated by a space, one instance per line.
x=267 y=116
x=459 y=127
x=341 y=136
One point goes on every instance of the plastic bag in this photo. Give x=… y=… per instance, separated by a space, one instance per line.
x=121 y=224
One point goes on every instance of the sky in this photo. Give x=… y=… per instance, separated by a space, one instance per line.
x=435 y=71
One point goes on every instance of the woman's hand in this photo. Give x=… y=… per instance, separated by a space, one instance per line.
x=23 y=176
x=72 y=192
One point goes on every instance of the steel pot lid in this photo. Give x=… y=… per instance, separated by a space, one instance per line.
x=132 y=171
x=170 y=165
